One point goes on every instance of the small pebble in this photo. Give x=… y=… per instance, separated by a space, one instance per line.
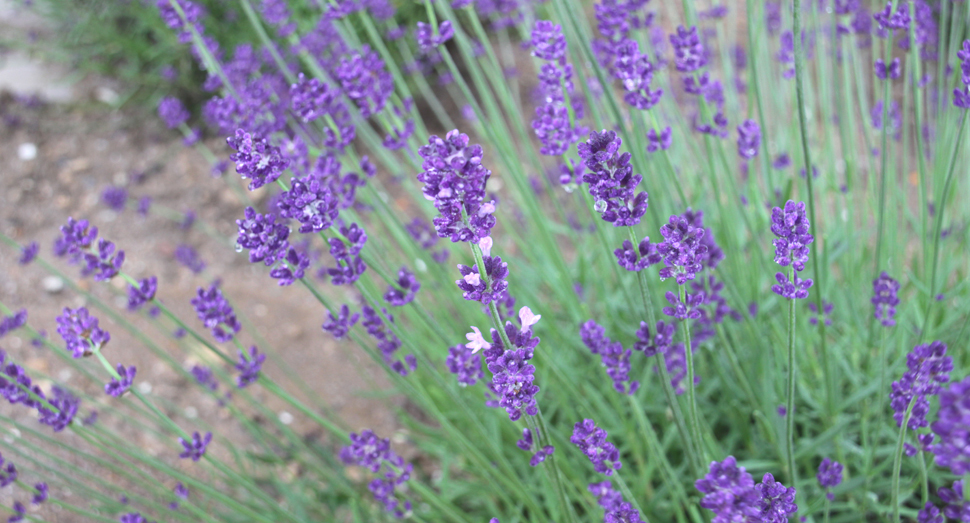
x=52 y=284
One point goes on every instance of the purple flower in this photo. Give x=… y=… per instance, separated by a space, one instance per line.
x=20 y=511
x=187 y=256
x=249 y=367
x=365 y=80
x=422 y=232
x=592 y=441
x=8 y=473
x=612 y=183
x=688 y=50
x=930 y=514
x=749 y=139
x=781 y=162
x=387 y=342
x=895 y=117
x=115 y=197
x=773 y=17
x=488 y=289
x=548 y=42
x=340 y=325
x=256 y=160
x=713 y=256
x=729 y=492
x=132 y=517
x=42 y=493
x=195 y=449
x=777 y=502
x=635 y=72
x=885 y=299
x=464 y=364
x=28 y=253
x=13 y=322
x=428 y=40
x=265 y=239
x=891 y=71
x=961 y=96
x=826 y=312
x=375 y=454
x=657 y=344
x=81 y=332
x=216 y=313
x=889 y=20
x=346 y=253
x=76 y=237
x=65 y=406
x=829 y=475
x=512 y=376
x=403 y=292
x=661 y=141
x=792 y=290
x=792 y=229
x=928 y=367
x=613 y=356
x=952 y=426
x=311 y=203
x=454 y=178
x=683 y=249
x=683 y=310
x=527 y=444
x=116 y=387
x=203 y=375
x=278 y=15
x=786 y=54
x=955 y=507
x=105 y=263
x=143 y=293
x=644 y=256
x=172 y=112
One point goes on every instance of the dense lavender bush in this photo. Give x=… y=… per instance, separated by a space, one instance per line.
x=541 y=186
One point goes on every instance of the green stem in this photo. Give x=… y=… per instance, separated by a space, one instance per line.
x=898 y=459
x=790 y=404
x=695 y=425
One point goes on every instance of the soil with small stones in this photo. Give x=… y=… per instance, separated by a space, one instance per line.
x=55 y=162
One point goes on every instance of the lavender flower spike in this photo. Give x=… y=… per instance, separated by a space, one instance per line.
x=777 y=501
x=592 y=441
x=249 y=367
x=885 y=299
x=682 y=249
x=791 y=226
x=81 y=332
x=952 y=426
x=729 y=492
x=749 y=139
x=119 y=386
x=829 y=475
x=195 y=449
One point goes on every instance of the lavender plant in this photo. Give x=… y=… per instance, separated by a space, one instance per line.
x=507 y=169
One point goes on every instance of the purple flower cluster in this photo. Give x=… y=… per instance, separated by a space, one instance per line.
x=786 y=54
x=118 y=386
x=829 y=475
x=310 y=202
x=143 y=293
x=888 y=20
x=777 y=501
x=955 y=507
x=28 y=253
x=428 y=40
x=365 y=80
x=59 y=409
x=592 y=441
x=256 y=160
x=615 y=358
x=465 y=365
x=792 y=228
x=683 y=249
x=826 y=314
x=749 y=139
x=928 y=367
x=611 y=181
x=195 y=449
x=203 y=376
x=249 y=367
x=527 y=444
x=13 y=322
x=115 y=197
x=729 y=492
x=513 y=377
x=454 y=179
x=267 y=242
x=311 y=99
x=952 y=426
x=689 y=54
x=685 y=309
x=659 y=141
x=961 y=95
x=76 y=242
x=43 y=492
x=617 y=510
x=8 y=473
x=132 y=517
x=80 y=331
x=552 y=123
x=172 y=112
x=373 y=453
x=675 y=358
x=488 y=289
x=885 y=298
x=189 y=258
x=635 y=72
x=640 y=258
x=216 y=313
x=387 y=342
x=346 y=254
x=402 y=291
x=340 y=325
x=656 y=344
x=892 y=70
x=191 y=12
